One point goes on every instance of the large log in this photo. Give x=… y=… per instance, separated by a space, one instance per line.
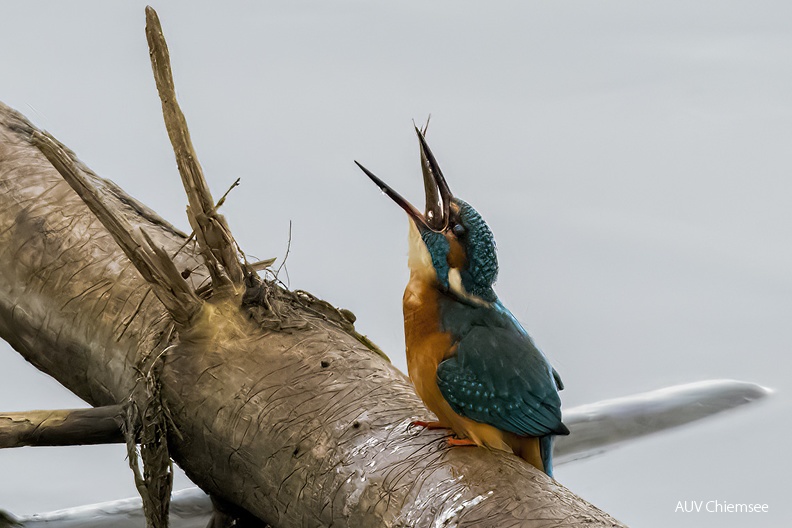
x=277 y=407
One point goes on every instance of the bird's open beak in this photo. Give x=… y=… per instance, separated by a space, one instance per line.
x=438 y=195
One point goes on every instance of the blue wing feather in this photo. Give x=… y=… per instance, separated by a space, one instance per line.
x=499 y=377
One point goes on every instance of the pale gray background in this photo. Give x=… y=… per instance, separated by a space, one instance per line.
x=632 y=159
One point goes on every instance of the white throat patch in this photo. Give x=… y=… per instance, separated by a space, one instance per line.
x=455 y=283
x=419 y=259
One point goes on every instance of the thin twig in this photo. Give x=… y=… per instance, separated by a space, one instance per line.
x=286 y=256
x=189 y=239
x=222 y=199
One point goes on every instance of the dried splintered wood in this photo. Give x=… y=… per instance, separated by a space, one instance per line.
x=100 y=425
x=155 y=266
x=210 y=227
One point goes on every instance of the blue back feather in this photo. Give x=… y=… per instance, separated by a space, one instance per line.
x=498 y=376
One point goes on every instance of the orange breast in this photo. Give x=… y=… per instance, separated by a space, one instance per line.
x=427 y=346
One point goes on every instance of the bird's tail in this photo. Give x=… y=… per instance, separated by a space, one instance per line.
x=546 y=451
x=536 y=451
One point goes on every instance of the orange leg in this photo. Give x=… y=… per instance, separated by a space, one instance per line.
x=461 y=442
x=428 y=425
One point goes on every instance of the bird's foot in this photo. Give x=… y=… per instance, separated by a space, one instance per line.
x=461 y=442
x=428 y=425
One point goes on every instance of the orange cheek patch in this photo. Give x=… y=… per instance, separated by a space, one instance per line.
x=456 y=254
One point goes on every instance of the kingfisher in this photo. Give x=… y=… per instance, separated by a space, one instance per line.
x=471 y=362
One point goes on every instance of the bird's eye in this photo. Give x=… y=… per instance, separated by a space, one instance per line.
x=458 y=229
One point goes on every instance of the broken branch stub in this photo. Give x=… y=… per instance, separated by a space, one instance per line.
x=210 y=227
x=66 y=427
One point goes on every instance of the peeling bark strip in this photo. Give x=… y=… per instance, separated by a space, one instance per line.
x=101 y=425
x=277 y=407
